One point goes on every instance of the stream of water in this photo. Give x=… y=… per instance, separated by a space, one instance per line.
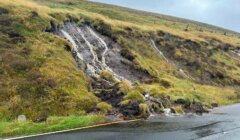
x=89 y=47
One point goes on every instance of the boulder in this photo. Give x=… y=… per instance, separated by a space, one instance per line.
x=183 y=102
x=22 y=118
x=105 y=84
x=214 y=105
x=197 y=108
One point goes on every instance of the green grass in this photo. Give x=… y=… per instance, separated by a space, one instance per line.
x=187 y=90
x=16 y=128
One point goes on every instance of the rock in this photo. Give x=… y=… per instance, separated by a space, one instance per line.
x=130 y=110
x=197 y=108
x=181 y=101
x=106 y=84
x=146 y=96
x=22 y=118
x=214 y=105
x=87 y=22
x=112 y=96
x=53 y=28
x=173 y=110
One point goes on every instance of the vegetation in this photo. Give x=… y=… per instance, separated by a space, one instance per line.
x=144 y=110
x=107 y=76
x=16 y=128
x=125 y=87
x=104 y=107
x=39 y=77
x=135 y=95
x=178 y=109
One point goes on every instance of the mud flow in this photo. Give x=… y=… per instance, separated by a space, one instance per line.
x=99 y=53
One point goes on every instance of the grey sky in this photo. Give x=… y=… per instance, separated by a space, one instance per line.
x=223 y=13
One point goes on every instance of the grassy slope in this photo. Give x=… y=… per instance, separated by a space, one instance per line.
x=38 y=77
x=52 y=124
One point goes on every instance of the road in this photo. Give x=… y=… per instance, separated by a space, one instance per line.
x=221 y=124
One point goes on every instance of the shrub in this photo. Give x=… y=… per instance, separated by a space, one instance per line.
x=51 y=83
x=125 y=102
x=34 y=14
x=136 y=83
x=144 y=110
x=21 y=65
x=4 y=114
x=237 y=92
x=106 y=75
x=104 y=107
x=103 y=28
x=125 y=87
x=135 y=95
x=80 y=113
x=1 y=71
x=3 y=11
x=165 y=83
x=26 y=51
x=126 y=53
x=15 y=105
x=178 y=109
x=156 y=108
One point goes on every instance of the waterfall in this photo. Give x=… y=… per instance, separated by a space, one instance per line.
x=95 y=58
x=104 y=45
x=160 y=53
x=102 y=42
x=89 y=47
x=189 y=77
x=75 y=47
x=167 y=112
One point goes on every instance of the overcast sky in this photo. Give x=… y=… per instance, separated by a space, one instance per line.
x=223 y=13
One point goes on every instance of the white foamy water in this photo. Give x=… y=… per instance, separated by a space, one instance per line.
x=88 y=45
x=75 y=47
x=160 y=52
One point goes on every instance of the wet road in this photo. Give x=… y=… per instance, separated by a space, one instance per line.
x=222 y=124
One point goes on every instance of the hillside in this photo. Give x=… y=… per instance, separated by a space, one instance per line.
x=76 y=58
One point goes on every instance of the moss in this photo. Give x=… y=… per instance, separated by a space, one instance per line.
x=134 y=95
x=104 y=107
